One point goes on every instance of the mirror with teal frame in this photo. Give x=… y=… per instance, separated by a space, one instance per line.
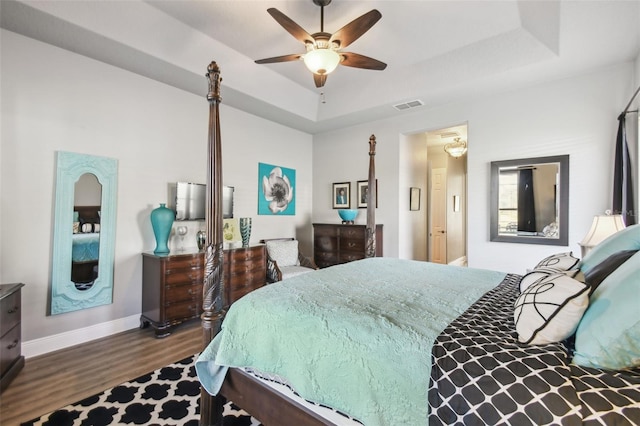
x=83 y=232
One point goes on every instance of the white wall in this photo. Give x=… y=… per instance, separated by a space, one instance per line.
x=54 y=100
x=412 y=173
x=575 y=116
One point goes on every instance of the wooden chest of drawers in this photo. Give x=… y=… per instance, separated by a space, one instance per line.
x=11 y=358
x=172 y=284
x=171 y=290
x=335 y=243
x=245 y=269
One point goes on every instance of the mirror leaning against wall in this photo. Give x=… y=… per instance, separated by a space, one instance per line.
x=530 y=200
x=83 y=232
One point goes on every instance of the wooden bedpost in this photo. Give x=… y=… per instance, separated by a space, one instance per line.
x=371 y=201
x=213 y=286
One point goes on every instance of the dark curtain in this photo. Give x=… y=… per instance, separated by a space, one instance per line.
x=623 y=203
x=526 y=203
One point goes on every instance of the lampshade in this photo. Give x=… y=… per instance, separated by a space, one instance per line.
x=321 y=61
x=457 y=148
x=602 y=227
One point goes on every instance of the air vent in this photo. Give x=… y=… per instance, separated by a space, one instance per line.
x=446 y=135
x=408 y=105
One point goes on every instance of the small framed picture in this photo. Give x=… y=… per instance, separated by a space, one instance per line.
x=342 y=195
x=414 y=199
x=363 y=193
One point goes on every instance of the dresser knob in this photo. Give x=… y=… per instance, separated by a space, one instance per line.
x=13 y=344
x=14 y=310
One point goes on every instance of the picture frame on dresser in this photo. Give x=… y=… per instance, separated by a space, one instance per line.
x=341 y=195
x=363 y=193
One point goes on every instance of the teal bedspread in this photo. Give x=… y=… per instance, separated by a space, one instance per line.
x=356 y=337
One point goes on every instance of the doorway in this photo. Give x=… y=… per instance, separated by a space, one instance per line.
x=446 y=198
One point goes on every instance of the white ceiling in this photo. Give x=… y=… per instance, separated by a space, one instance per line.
x=436 y=51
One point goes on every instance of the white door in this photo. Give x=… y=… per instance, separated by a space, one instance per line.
x=437 y=233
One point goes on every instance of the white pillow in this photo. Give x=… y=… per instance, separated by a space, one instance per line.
x=559 y=262
x=284 y=252
x=538 y=274
x=550 y=309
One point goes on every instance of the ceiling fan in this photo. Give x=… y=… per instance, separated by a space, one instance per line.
x=324 y=49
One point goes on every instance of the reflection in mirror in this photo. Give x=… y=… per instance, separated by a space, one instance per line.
x=85 y=249
x=84 y=232
x=529 y=200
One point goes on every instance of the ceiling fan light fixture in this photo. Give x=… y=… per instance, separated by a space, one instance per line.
x=457 y=148
x=321 y=61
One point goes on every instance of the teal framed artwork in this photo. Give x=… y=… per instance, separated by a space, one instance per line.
x=276 y=190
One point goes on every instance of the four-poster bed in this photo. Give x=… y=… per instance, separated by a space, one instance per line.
x=391 y=341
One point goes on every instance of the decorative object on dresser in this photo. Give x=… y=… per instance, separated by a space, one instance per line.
x=201 y=239
x=172 y=284
x=161 y=221
x=11 y=358
x=285 y=260
x=348 y=216
x=334 y=244
x=245 y=230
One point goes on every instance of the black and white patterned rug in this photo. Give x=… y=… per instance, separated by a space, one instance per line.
x=167 y=396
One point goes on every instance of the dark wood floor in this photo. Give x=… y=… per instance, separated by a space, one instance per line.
x=56 y=379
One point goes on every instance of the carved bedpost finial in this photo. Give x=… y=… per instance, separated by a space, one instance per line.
x=372 y=145
x=213 y=75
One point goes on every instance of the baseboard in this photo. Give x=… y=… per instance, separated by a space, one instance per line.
x=56 y=342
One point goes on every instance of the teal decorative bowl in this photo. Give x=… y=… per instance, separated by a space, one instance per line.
x=348 y=215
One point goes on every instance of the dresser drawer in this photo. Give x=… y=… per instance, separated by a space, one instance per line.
x=10 y=349
x=243 y=284
x=9 y=312
x=350 y=257
x=236 y=268
x=190 y=276
x=183 y=310
x=187 y=262
x=182 y=292
x=325 y=256
x=325 y=231
x=252 y=254
x=325 y=243
x=351 y=244
x=353 y=232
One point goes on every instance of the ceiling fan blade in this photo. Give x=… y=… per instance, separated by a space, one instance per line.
x=284 y=58
x=354 y=29
x=319 y=79
x=360 y=61
x=294 y=29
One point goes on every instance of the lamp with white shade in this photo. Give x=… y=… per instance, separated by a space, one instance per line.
x=602 y=227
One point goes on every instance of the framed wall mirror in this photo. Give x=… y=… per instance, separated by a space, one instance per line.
x=83 y=232
x=530 y=200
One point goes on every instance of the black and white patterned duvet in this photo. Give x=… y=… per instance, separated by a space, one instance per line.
x=481 y=374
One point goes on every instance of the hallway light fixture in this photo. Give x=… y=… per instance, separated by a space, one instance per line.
x=457 y=148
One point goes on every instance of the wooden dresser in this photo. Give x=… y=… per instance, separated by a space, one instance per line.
x=172 y=284
x=336 y=243
x=11 y=358
x=245 y=269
